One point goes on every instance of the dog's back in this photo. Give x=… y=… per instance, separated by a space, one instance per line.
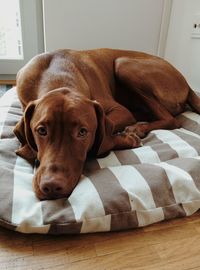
x=89 y=72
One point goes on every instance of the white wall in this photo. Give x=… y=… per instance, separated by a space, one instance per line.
x=85 y=24
x=182 y=50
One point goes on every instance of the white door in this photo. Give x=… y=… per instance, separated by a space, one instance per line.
x=86 y=24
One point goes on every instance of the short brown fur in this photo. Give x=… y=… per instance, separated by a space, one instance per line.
x=81 y=102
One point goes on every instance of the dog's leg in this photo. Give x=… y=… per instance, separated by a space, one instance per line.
x=125 y=73
x=120 y=116
x=194 y=101
x=165 y=119
x=111 y=132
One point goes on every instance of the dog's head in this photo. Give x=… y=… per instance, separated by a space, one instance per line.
x=58 y=131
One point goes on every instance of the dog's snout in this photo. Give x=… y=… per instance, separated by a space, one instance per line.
x=54 y=180
x=53 y=188
x=54 y=168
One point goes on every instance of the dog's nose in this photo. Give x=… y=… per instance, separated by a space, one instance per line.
x=53 y=188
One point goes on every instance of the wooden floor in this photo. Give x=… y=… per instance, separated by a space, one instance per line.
x=172 y=245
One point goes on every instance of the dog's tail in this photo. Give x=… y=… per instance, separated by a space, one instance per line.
x=194 y=100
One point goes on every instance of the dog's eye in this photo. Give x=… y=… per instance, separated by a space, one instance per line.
x=42 y=131
x=82 y=132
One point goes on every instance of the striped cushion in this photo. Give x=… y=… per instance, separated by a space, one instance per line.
x=127 y=189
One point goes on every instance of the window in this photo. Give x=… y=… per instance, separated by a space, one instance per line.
x=21 y=34
x=10 y=30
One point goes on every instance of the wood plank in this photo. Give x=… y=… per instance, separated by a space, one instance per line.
x=11 y=82
x=167 y=245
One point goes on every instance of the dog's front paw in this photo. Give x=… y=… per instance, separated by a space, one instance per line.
x=133 y=139
x=126 y=139
x=138 y=129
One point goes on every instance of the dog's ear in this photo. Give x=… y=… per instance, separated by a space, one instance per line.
x=24 y=134
x=103 y=141
x=27 y=120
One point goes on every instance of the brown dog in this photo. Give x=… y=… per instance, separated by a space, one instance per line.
x=80 y=102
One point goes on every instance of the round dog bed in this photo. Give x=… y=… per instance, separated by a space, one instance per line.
x=127 y=189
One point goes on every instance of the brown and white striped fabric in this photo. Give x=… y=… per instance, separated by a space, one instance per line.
x=127 y=189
